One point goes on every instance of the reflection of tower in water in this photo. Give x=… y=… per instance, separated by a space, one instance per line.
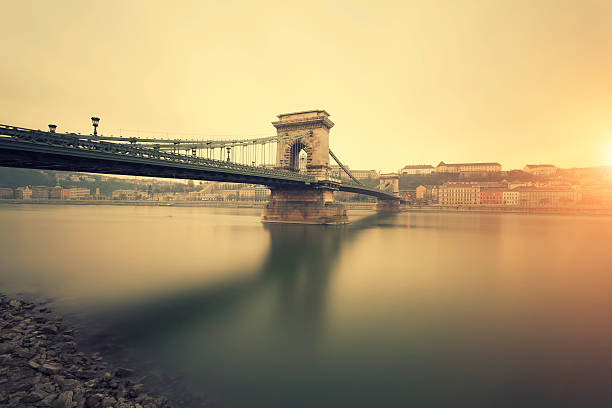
x=299 y=267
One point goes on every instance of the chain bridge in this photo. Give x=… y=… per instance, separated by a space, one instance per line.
x=294 y=163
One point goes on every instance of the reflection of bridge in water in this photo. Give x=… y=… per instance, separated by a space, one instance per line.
x=229 y=335
x=296 y=272
x=302 y=190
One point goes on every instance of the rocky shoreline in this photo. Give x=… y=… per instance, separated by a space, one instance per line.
x=41 y=366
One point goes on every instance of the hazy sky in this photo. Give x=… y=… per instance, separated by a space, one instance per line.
x=406 y=82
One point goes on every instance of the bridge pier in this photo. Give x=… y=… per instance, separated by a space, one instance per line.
x=387 y=206
x=304 y=206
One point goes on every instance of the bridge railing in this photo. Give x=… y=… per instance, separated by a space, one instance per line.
x=363 y=187
x=84 y=143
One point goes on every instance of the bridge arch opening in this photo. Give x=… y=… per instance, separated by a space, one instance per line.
x=299 y=157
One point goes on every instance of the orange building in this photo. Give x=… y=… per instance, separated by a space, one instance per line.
x=491 y=195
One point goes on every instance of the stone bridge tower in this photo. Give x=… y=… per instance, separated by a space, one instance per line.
x=304 y=205
x=389 y=181
x=316 y=145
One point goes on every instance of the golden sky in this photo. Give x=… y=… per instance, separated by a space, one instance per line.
x=406 y=82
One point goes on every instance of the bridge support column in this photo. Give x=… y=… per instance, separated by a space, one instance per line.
x=302 y=206
x=388 y=206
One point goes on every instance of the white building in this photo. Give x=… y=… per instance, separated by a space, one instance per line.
x=459 y=194
x=510 y=197
x=417 y=169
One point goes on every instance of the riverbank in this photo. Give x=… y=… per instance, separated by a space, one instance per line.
x=221 y=204
x=214 y=204
x=41 y=365
x=512 y=210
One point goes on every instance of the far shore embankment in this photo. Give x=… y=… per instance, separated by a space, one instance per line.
x=512 y=210
x=503 y=209
x=216 y=204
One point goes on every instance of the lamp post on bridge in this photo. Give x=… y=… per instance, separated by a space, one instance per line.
x=52 y=128
x=228 y=152
x=94 y=122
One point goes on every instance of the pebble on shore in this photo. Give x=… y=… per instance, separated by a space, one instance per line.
x=40 y=365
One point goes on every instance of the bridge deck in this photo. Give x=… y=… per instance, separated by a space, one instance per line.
x=27 y=148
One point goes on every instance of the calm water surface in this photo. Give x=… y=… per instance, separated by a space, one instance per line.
x=415 y=309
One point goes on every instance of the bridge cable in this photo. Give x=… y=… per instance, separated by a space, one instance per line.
x=342 y=167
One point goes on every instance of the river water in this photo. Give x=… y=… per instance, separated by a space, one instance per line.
x=413 y=309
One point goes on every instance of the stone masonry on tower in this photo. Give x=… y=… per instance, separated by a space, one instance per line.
x=316 y=145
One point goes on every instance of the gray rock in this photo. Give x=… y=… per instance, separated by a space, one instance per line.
x=24 y=352
x=50 y=368
x=136 y=390
x=33 y=364
x=123 y=372
x=85 y=374
x=64 y=400
x=94 y=401
x=15 y=303
x=6 y=348
x=69 y=384
x=33 y=380
x=109 y=401
x=47 y=401
x=33 y=397
x=49 y=329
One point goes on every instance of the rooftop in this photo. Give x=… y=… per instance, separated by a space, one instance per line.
x=550 y=188
x=469 y=164
x=303 y=113
x=533 y=166
x=419 y=166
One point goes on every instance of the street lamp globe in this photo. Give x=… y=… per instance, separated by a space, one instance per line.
x=94 y=122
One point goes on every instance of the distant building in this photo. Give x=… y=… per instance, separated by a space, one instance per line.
x=246 y=194
x=228 y=186
x=6 y=192
x=515 y=184
x=129 y=195
x=468 y=168
x=55 y=193
x=262 y=193
x=417 y=169
x=75 y=193
x=431 y=195
x=554 y=196
x=230 y=195
x=420 y=193
x=491 y=195
x=336 y=171
x=540 y=169
x=601 y=194
x=459 y=194
x=40 y=192
x=510 y=197
x=170 y=197
x=364 y=174
x=23 y=193
x=195 y=195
